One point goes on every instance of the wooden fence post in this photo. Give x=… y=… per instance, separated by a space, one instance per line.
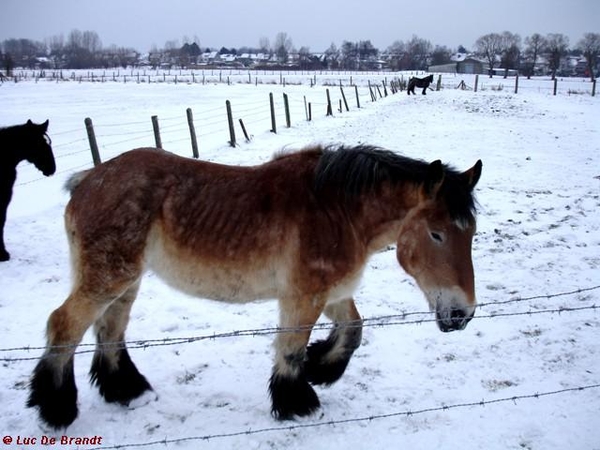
x=476 y=83
x=305 y=108
x=344 y=98
x=230 y=122
x=329 y=109
x=286 y=106
x=357 y=98
x=517 y=84
x=156 y=132
x=555 y=85
x=373 y=98
x=439 y=83
x=190 y=119
x=273 y=121
x=594 y=88
x=92 y=139
x=244 y=131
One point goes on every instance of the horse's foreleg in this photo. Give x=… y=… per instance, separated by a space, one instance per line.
x=5 y=196
x=291 y=394
x=112 y=369
x=4 y=255
x=52 y=388
x=328 y=359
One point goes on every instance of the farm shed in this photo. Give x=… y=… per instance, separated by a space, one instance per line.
x=465 y=66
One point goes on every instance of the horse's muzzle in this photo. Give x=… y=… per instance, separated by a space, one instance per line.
x=453 y=319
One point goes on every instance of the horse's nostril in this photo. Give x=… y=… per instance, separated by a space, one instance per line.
x=452 y=319
x=457 y=314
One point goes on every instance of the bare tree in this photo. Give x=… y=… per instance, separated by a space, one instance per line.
x=91 y=41
x=418 y=51
x=304 y=57
x=510 y=51
x=590 y=47
x=349 y=55
x=556 y=46
x=440 y=55
x=283 y=46
x=488 y=47
x=367 y=54
x=332 y=56
x=264 y=45
x=534 y=45
x=396 y=54
x=82 y=49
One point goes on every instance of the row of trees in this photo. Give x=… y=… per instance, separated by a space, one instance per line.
x=505 y=50
x=79 y=50
x=499 y=50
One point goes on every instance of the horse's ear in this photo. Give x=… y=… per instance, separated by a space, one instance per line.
x=435 y=178
x=29 y=123
x=472 y=175
x=45 y=125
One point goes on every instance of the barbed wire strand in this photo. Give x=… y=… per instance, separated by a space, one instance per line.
x=383 y=321
x=370 y=418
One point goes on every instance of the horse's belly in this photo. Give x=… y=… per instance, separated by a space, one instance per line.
x=219 y=280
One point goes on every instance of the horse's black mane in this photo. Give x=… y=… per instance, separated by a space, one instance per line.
x=356 y=170
x=15 y=132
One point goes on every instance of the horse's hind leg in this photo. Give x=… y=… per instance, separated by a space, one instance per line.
x=291 y=394
x=328 y=358
x=112 y=369
x=52 y=387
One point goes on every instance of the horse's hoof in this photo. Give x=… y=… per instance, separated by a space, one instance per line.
x=4 y=255
x=56 y=404
x=292 y=397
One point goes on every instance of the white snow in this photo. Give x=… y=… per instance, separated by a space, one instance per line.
x=538 y=235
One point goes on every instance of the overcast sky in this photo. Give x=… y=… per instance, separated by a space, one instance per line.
x=312 y=23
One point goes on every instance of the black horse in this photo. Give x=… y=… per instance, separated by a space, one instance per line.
x=18 y=143
x=419 y=82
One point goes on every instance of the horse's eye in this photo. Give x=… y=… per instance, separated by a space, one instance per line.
x=437 y=237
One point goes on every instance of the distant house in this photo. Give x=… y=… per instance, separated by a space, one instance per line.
x=471 y=66
x=461 y=63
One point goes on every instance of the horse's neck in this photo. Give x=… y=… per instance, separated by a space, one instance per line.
x=381 y=216
x=10 y=155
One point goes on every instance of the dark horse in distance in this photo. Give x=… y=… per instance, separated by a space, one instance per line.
x=420 y=83
x=298 y=228
x=28 y=142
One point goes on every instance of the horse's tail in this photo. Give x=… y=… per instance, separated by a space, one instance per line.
x=75 y=179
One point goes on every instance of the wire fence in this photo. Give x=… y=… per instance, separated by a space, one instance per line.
x=211 y=127
x=404 y=319
x=370 y=418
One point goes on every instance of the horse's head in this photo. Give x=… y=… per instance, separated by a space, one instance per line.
x=434 y=244
x=37 y=148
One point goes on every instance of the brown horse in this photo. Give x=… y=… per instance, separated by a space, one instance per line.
x=299 y=228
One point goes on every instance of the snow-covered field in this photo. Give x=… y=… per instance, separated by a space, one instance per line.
x=408 y=386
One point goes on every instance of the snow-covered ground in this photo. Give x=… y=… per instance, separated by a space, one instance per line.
x=408 y=386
